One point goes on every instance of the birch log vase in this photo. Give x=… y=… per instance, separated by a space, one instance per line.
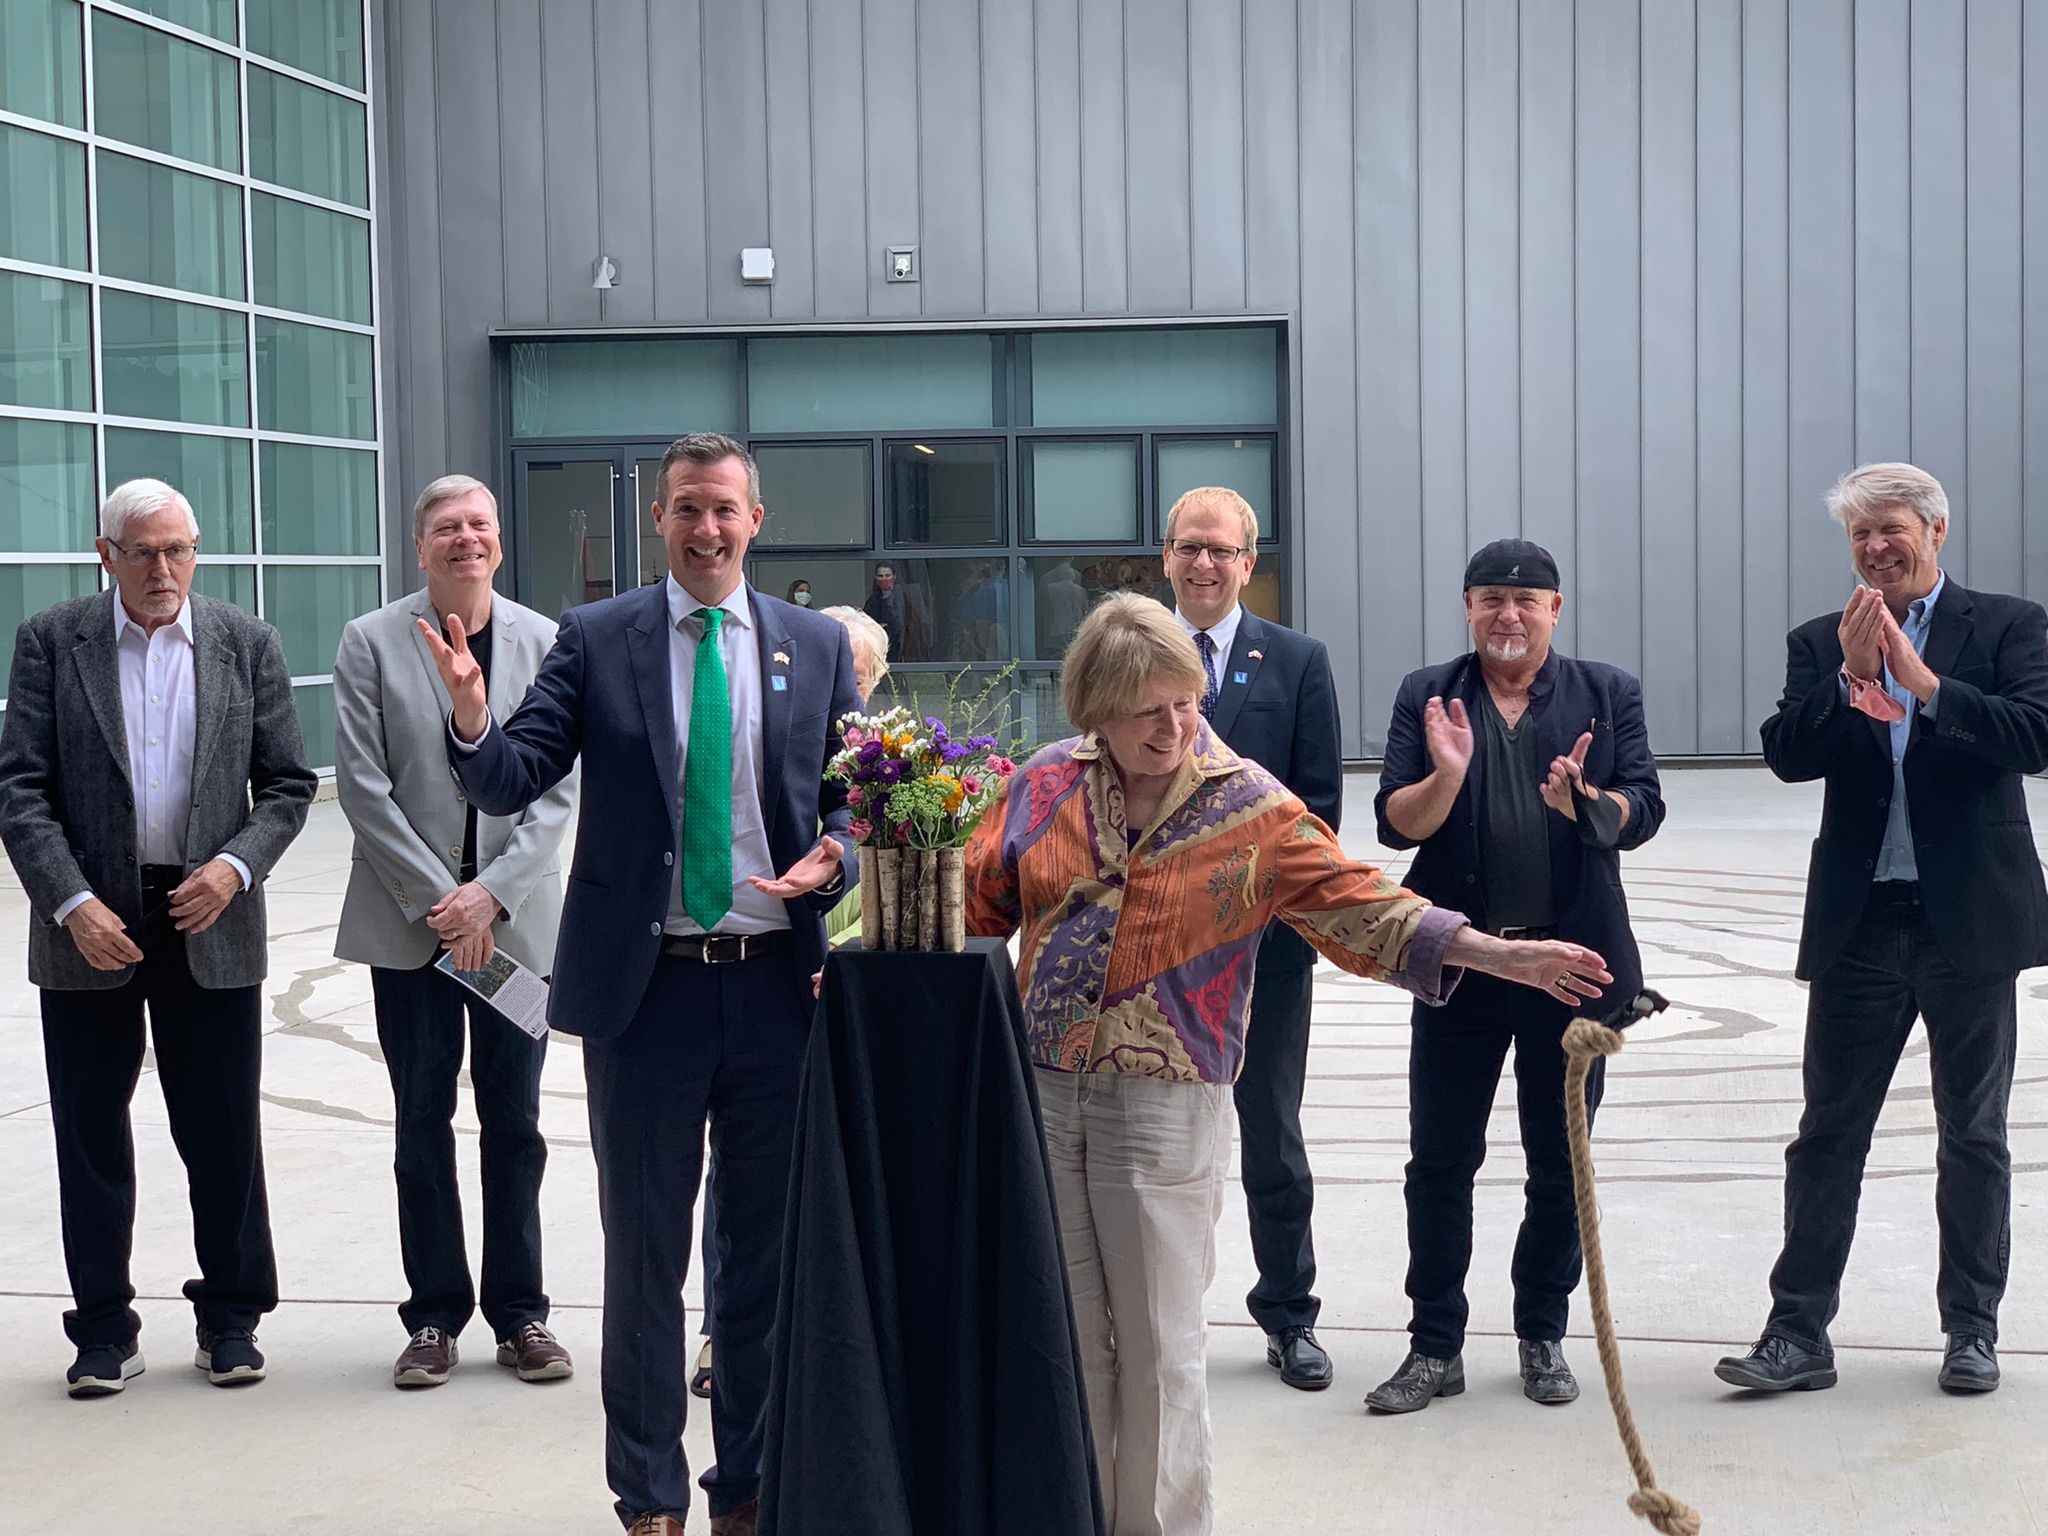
x=888 y=883
x=928 y=898
x=952 y=892
x=870 y=897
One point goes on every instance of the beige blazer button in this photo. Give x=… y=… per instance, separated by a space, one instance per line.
x=455 y=851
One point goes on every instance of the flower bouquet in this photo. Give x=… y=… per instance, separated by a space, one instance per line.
x=917 y=793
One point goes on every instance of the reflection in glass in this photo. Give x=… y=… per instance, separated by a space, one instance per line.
x=815 y=493
x=952 y=611
x=1082 y=492
x=164 y=93
x=213 y=472
x=310 y=259
x=315 y=704
x=171 y=228
x=42 y=198
x=313 y=380
x=308 y=139
x=659 y=387
x=833 y=580
x=905 y=383
x=568 y=534
x=310 y=604
x=172 y=361
x=1245 y=464
x=45 y=343
x=318 y=501
x=216 y=18
x=230 y=583
x=1179 y=377
x=29 y=589
x=322 y=37
x=42 y=68
x=47 y=503
x=943 y=492
x=1060 y=589
x=647 y=491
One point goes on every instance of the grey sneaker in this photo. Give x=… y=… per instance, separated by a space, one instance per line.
x=535 y=1354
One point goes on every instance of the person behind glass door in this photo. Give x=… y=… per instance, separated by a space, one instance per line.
x=799 y=593
x=151 y=775
x=885 y=606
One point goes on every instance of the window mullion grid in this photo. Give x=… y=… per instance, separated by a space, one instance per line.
x=94 y=348
x=238 y=50
x=376 y=307
x=249 y=319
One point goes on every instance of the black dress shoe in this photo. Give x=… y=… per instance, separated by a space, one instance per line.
x=1970 y=1365
x=1420 y=1380
x=1778 y=1365
x=1300 y=1360
x=1545 y=1376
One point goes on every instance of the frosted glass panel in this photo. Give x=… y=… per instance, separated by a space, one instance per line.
x=319 y=501
x=314 y=381
x=1082 y=492
x=164 y=93
x=870 y=383
x=29 y=589
x=45 y=343
x=46 y=487
x=42 y=68
x=310 y=259
x=310 y=604
x=175 y=362
x=172 y=229
x=42 y=198
x=322 y=37
x=213 y=472
x=1244 y=464
x=308 y=139
x=1177 y=378
x=815 y=493
x=654 y=387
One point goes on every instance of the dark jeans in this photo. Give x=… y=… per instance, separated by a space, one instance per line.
x=708 y=1252
x=1279 y=1191
x=420 y=1027
x=727 y=1042
x=209 y=1060
x=1858 y=1015
x=1454 y=1065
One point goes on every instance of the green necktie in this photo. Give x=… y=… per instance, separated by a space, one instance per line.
x=707 y=785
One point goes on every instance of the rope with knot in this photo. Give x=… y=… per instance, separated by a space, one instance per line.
x=1586 y=1040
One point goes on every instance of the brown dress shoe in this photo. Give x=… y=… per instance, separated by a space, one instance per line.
x=738 y=1522
x=426 y=1360
x=536 y=1355
x=655 y=1525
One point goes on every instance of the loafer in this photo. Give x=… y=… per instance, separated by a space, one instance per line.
x=1545 y=1376
x=101 y=1370
x=1419 y=1382
x=535 y=1354
x=429 y=1355
x=1776 y=1364
x=1970 y=1364
x=230 y=1357
x=743 y=1521
x=1300 y=1360
x=700 y=1378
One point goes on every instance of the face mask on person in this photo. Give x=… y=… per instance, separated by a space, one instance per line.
x=803 y=599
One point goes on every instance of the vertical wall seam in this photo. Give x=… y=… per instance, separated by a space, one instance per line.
x=703 y=162
x=867 y=183
x=1298 y=537
x=1577 y=412
x=811 y=152
x=1421 y=381
x=917 y=117
x=440 y=225
x=597 y=153
x=1037 y=196
x=1187 y=102
x=981 y=146
x=1464 y=280
x=1642 y=456
x=1081 y=151
x=498 y=73
x=767 y=149
x=1963 y=181
x=1699 y=690
x=1244 y=173
x=1123 y=101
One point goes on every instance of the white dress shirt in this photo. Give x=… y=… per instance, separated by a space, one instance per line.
x=159 y=709
x=752 y=910
x=1223 y=632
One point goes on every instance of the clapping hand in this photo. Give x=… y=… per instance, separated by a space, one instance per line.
x=1907 y=669
x=1862 y=634
x=1567 y=779
x=1448 y=732
x=460 y=676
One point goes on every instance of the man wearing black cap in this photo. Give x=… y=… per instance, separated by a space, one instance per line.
x=1519 y=775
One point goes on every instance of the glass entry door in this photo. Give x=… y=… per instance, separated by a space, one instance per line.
x=583 y=525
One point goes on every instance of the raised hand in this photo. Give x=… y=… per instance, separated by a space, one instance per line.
x=1567 y=779
x=99 y=936
x=460 y=676
x=1447 y=730
x=1862 y=634
x=1906 y=666
x=814 y=869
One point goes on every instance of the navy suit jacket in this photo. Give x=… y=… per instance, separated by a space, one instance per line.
x=603 y=693
x=1283 y=716
x=1567 y=698
x=1980 y=878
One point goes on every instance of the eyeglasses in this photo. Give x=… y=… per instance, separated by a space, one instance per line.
x=1219 y=554
x=141 y=557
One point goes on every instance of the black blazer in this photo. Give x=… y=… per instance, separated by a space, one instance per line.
x=1568 y=697
x=1980 y=878
x=1283 y=716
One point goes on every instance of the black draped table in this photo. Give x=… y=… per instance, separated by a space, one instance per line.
x=926 y=1379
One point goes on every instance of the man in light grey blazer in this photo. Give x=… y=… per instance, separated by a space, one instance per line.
x=431 y=874
x=151 y=773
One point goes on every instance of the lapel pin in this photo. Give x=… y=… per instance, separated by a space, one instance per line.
x=779 y=683
x=782 y=657
x=1256 y=655
x=1240 y=677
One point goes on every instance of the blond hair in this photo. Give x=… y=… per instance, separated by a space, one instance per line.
x=1875 y=486
x=1220 y=496
x=1126 y=645
x=870 y=645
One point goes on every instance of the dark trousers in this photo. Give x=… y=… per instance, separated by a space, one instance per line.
x=727 y=1042
x=1279 y=1191
x=209 y=1059
x=708 y=1250
x=1454 y=1065
x=420 y=1028
x=1858 y=1015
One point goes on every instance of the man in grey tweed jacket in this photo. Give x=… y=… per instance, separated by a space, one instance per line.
x=151 y=774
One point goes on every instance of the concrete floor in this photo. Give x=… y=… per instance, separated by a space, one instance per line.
x=1689 y=1144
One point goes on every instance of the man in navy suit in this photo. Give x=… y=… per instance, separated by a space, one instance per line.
x=704 y=712
x=1491 y=772
x=1271 y=699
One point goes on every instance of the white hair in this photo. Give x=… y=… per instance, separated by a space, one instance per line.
x=447 y=488
x=1874 y=486
x=141 y=498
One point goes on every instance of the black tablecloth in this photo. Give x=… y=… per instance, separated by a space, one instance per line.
x=926 y=1379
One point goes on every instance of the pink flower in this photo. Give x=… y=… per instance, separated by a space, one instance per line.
x=857 y=797
x=853 y=736
x=861 y=830
x=971 y=784
x=1001 y=767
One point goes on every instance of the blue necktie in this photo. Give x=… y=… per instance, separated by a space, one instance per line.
x=1208 y=649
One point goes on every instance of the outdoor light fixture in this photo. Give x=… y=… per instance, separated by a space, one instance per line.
x=757 y=264
x=604 y=273
x=902 y=266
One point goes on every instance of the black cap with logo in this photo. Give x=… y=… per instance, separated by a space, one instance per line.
x=1512 y=563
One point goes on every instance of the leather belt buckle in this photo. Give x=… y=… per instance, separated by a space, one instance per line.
x=1542 y=932
x=723 y=948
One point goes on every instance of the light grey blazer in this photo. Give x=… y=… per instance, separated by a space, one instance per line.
x=392 y=776
x=67 y=809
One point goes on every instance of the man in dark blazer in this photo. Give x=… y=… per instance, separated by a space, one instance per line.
x=692 y=922
x=1520 y=775
x=151 y=773
x=1920 y=705
x=1271 y=698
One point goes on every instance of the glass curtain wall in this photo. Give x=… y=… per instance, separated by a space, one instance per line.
x=187 y=291
x=977 y=492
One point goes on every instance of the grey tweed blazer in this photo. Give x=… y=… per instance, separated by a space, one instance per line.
x=67 y=809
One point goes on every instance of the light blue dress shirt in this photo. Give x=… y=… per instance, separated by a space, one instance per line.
x=1895 y=858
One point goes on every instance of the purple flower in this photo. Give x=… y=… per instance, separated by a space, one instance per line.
x=871 y=751
x=890 y=772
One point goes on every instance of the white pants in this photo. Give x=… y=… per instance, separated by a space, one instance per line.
x=1137 y=1169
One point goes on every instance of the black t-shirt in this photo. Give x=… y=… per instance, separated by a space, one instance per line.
x=1514 y=850
x=480 y=648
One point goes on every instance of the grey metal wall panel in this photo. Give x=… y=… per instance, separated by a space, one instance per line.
x=1635 y=281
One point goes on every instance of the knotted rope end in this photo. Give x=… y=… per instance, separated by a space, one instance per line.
x=1670 y=1515
x=1589 y=1037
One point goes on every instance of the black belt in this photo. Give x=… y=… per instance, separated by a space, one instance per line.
x=162 y=876
x=724 y=948
x=1540 y=931
x=1896 y=893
